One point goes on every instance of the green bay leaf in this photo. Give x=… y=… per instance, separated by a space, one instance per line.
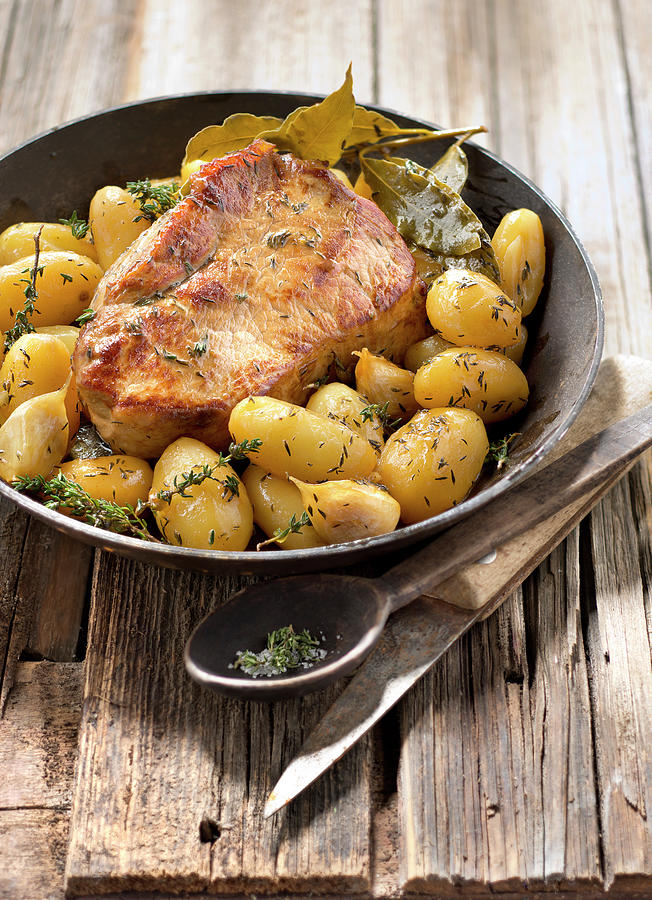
x=235 y=133
x=452 y=168
x=425 y=210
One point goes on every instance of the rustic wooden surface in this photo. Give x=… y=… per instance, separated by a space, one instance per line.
x=523 y=759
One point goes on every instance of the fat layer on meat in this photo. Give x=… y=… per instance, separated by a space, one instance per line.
x=267 y=275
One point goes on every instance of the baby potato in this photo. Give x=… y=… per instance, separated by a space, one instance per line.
x=485 y=381
x=116 y=221
x=296 y=441
x=66 y=333
x=215 y=515
x=343 y=177
x=190 y=168
x=346 y=510
x=275 y=500
x=431 y=463
x=17 y=241
x=34 y=438
x=423 y=351
x=35 y=364
x=341 y=402
x=468 y=309
x=362 y=188
x=122 y=479
x=520 y=249
x=381 y=381
x=516 y=352
x=65 y=287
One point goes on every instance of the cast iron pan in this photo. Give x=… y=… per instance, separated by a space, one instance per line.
x=48 y=177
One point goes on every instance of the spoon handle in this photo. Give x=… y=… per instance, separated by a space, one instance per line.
x=540 y=496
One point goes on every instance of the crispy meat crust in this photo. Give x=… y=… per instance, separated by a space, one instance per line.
x=266 y=275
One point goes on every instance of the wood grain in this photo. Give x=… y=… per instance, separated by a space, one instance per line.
x=171 y=780
x=578 y=143
x=38 y=744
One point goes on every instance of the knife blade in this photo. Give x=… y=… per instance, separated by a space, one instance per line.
x=418 y=635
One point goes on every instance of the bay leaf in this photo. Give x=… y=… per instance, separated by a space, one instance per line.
x=236 y=132
x=369 y=127
x=318 y=131
x=452 y=168
x=482 y=260
x=425 y=210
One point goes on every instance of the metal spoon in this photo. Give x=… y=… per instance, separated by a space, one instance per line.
x=351 y=611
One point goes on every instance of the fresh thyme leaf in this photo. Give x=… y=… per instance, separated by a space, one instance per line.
x=182 y=482
x=280 y=535
x=197 y=475
x=86 y=315
x=199 y=348
x=367 y=414
x=60 y=493
x=154 y=199
x=498 y=451
x=232 y=486
x=79 y=227
x=286 y=650
x=23 y=324
x=240 y=451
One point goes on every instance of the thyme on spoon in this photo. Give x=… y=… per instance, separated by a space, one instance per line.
x=23 y=324
x=61 y=493
x=286 y=649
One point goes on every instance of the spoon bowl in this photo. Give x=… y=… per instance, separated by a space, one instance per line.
x=346 y=613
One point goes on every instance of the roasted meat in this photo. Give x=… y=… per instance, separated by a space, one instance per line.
x=265 y=276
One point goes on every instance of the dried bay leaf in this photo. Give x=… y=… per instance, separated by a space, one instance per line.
x=425 y=210
x=369 y=127
x=235 y=133
x=318 y=131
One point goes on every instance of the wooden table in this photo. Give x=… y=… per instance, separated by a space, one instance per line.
x=523 y=762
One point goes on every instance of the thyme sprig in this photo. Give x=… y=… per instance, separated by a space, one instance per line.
x=60 y=493
x=286 y=649
x=182 y=482
x=23 y=324
x=79 y=227
x=498 y=451
x=154 y=199
x=86 y=315
x=382 y=413
x=280 y=535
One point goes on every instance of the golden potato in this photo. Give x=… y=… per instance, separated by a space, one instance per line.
x=431 y=463
x=343 y=177
x=65 y=287
x=516 y=352
x=423 y=351
x=214 y=514
x=116 y=221
x=362 y=188
x=469 y=310
x=343 y=511
x=382 y=382
x=35 y=364
x=485 y=381
x=275 y=500
x=34 y=438
x=520 y=249
x=341 y=402
x=296 y=441
x=17 y=241
x=122 y=479
x=66 y=333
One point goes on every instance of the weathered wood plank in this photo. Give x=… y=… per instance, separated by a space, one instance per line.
x=576 y=142
x=38 y=745
x=149 y=734
x=218 y=45
x=38 y=737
